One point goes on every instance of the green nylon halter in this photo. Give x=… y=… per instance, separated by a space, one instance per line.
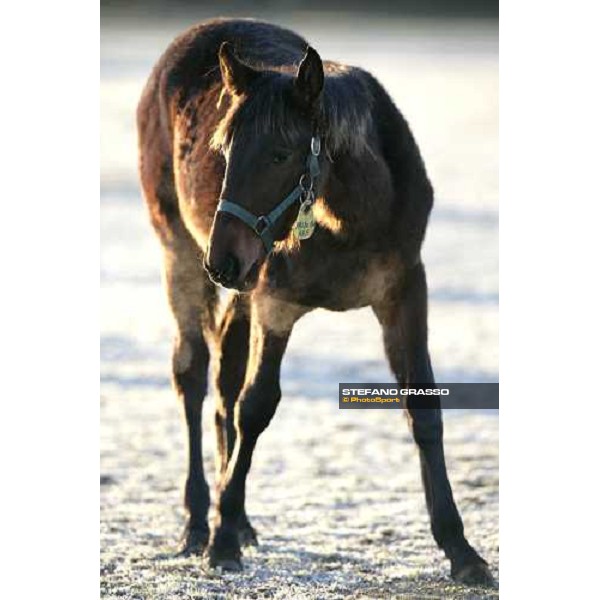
x=263 y=225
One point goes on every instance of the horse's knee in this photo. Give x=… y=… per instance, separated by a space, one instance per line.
x=190 y=365
x=256 y=409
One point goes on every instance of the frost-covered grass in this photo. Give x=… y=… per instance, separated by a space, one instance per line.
x=335 y=495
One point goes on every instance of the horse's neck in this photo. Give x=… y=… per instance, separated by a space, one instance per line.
x=357 y=195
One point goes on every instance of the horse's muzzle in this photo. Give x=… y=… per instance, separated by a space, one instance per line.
x=225 y=274
x=228 y=274
x=235 y=254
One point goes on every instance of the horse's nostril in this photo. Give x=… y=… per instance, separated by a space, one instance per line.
x=231 y=268
x=213 y=273
x=226 y=273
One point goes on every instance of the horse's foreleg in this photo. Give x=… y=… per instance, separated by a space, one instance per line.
x=403 y=316
x=234 y=341
x=254 y=410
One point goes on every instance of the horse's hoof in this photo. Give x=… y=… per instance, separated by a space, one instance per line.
x=229 y=565
x=247 y=536
x=475 y=573
x=193 y=542
x=213 y=561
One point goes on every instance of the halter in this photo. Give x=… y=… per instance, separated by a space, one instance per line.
x=263 y=225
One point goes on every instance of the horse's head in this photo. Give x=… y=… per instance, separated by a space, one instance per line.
x=265 y=138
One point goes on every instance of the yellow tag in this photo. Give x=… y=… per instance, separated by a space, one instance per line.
x=305 y=223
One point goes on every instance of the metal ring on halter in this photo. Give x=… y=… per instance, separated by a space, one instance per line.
x=302 y=183
x=261 y=224
x=315 y=145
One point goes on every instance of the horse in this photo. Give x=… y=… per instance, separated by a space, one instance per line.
x=296 y=183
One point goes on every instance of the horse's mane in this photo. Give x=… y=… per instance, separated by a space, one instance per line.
x=345 y=118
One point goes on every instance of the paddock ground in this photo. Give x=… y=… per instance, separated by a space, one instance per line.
x=335 y=495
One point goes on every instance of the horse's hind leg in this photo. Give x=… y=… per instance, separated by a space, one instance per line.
x=403 y=316
x=192 y=298
x=233 y=343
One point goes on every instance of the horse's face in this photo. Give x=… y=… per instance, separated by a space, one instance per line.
x=265 y=146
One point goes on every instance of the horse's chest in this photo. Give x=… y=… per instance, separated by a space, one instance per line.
x=336 y=282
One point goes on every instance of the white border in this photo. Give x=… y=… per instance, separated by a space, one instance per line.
x=549 y=98
x=48 y=323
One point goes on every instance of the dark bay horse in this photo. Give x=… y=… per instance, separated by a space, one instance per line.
x=298 y=184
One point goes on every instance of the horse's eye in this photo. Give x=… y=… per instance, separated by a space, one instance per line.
x=280 y=156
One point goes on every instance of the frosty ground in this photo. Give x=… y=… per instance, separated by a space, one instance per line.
x=335 y=495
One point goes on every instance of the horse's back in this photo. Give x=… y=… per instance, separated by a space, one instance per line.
x=190 y=63
x=193 y=55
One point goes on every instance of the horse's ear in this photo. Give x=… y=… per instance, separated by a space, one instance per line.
x=309 y=79
x=236 y=75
